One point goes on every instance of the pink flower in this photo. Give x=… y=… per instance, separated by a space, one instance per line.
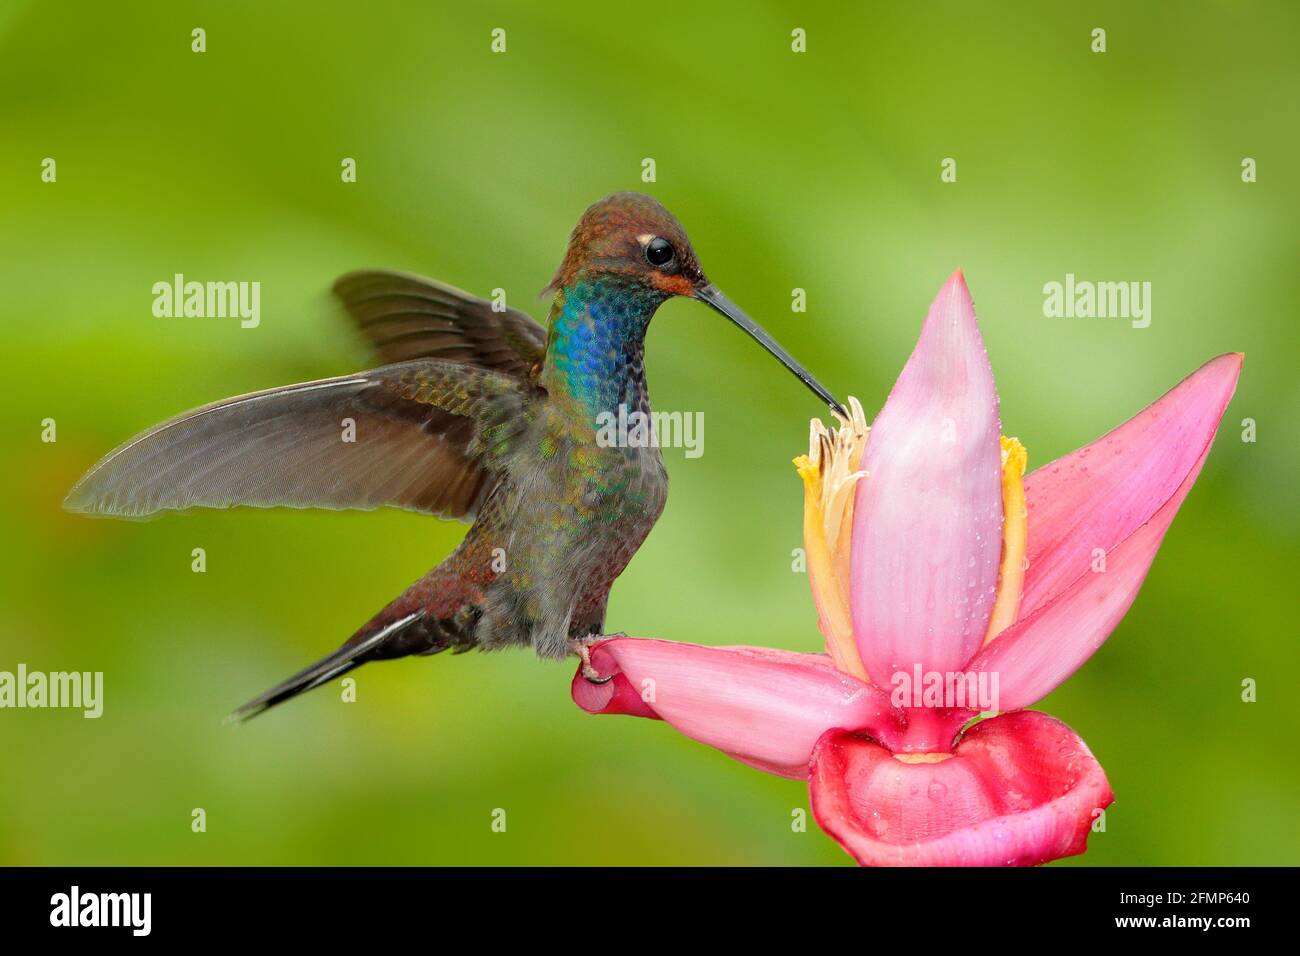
x=947 y=586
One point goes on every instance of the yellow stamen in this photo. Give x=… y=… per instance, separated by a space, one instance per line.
x=922 y=758
x=828 y=484
x=1011 y=572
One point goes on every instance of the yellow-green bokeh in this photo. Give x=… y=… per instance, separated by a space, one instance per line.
x=818 y=171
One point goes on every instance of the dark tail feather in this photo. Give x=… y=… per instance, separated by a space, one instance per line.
x=351 y=655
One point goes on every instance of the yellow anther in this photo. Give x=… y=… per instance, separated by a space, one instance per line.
x=828 y=480
x=1015 y=525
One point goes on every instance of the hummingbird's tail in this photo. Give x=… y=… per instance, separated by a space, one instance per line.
x=439 y=611
x=396 y=638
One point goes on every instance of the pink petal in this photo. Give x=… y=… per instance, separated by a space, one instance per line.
x=1098 y=495
x=927 y=520
x=1020 y=790
x=1073 y=618
x=764 y=707
x=1036 y=654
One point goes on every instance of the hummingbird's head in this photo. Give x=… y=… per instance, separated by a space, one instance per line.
x=632 y=238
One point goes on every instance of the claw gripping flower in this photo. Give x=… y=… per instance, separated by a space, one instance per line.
x=949 y=586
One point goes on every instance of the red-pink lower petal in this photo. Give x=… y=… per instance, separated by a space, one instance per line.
x=764 y=707
x=1019 y=790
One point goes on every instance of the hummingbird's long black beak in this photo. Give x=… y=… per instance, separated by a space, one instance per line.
x=712 y=296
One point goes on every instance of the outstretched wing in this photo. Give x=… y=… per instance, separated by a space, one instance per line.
x=408 y=316
x=421 y=435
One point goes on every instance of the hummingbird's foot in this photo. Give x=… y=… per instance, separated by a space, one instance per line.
x=582 y=647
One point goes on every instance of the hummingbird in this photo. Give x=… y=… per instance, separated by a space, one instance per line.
x=474 y=412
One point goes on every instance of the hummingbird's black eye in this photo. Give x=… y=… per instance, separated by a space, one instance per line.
x=659 y=252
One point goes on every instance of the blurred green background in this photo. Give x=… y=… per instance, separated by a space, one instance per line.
x=818 y=171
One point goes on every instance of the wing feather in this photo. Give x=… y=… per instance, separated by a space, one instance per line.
x=416 y=430
x=407 y=316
